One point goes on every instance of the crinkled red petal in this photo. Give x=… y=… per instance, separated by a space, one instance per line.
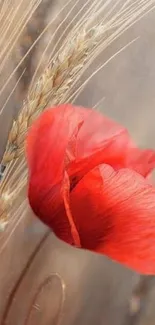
x=114 y=212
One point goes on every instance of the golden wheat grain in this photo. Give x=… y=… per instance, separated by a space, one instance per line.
x=78 y=50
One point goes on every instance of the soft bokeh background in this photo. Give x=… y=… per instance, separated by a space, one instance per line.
x=43 y=281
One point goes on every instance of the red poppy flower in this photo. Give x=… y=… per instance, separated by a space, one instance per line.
x=88 y=182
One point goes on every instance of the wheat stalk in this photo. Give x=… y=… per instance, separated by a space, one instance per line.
x=78 y=50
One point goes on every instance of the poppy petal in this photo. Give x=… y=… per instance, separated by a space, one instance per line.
x=66 y=197
x=112 y=151
x=142 y=161
x=52 y=145
x=46 y=150
x=114 y=212
x=98 y=140
x=96 y=132
x=47 y=141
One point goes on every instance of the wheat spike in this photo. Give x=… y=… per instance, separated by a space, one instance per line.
x=49 y=89
x=78 y=50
